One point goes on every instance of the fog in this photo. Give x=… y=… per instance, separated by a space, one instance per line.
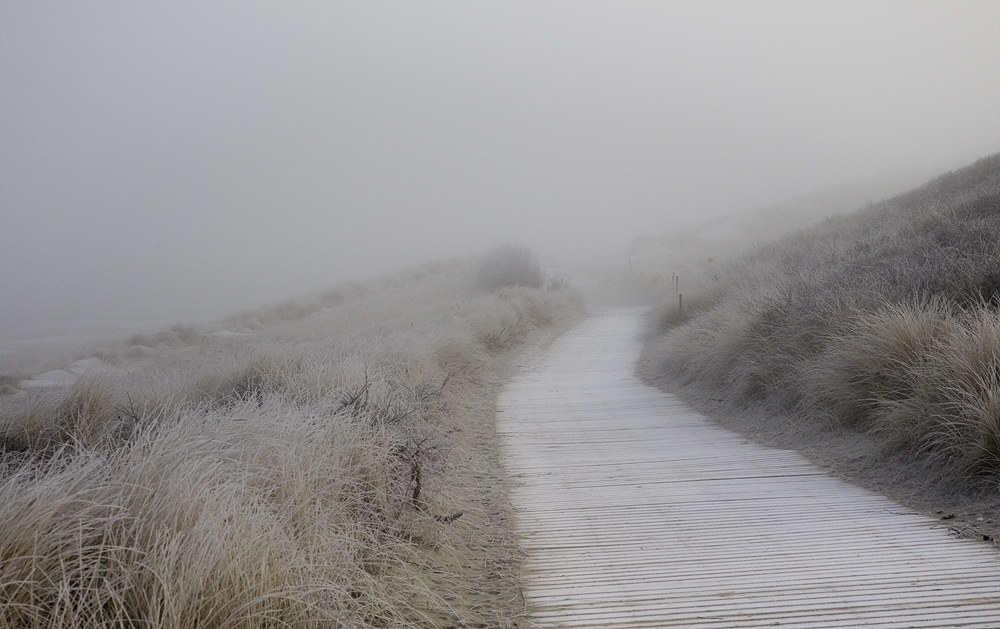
x=181 y=159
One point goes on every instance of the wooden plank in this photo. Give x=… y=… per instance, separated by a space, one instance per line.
x=638 y=512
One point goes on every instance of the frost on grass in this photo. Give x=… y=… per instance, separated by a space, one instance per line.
x=883 y=321
x=300 y=476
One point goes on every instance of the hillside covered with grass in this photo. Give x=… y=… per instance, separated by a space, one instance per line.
x=327 y=462
x=880 y=328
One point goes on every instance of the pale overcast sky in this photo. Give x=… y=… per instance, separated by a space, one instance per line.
x=160 y=155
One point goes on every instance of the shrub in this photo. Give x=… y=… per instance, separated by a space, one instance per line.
x=9 y=384
x=510 y=265
x=558 y=282
x=177 y=335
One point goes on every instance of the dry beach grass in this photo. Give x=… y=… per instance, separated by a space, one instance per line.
x=322 y=463
x=871 y=341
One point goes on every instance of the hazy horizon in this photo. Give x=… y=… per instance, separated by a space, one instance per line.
x=164 y=157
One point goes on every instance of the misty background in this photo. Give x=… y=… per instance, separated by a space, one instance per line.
x=165 y=161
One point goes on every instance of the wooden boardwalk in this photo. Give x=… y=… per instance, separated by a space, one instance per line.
x=637 y=512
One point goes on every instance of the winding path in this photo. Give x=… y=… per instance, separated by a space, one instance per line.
x=637 y=512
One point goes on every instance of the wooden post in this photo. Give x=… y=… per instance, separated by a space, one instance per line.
x=680 y=304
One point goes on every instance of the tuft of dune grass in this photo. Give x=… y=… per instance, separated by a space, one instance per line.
x=952 y=412
x=870 y=368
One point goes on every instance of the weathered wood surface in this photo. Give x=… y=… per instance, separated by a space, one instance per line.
x=637 y=512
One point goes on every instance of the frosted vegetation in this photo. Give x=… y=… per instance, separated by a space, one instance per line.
x=292 y=468
x=885 y=321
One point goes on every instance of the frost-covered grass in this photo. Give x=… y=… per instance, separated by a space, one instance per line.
x=884 y=321
x=287 y=475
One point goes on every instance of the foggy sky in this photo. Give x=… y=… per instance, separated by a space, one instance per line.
x=162 y=156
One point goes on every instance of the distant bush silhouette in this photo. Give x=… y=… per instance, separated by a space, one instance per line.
x=559 y=282
x=510 y=265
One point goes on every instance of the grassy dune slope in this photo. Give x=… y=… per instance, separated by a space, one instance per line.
x=872 y=339
x=321 y=463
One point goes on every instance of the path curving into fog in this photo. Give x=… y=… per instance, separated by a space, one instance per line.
x=637 y=512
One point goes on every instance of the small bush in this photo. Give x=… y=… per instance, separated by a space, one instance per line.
x=510 y=265
x=177 y=335
x=265 y=375
x=9 y=384
x=558 y=282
